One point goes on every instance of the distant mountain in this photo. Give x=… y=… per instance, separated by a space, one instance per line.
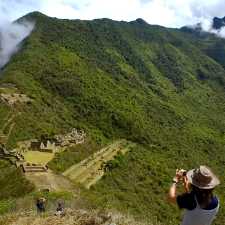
x=162 y=88
x=218 y=23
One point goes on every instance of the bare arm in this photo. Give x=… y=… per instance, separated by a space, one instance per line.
x=186 y=185
x=172 y=195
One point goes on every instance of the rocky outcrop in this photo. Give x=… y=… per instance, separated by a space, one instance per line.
x=11 y=156
x=74 y=137
x=12 y=99
x=72 y=217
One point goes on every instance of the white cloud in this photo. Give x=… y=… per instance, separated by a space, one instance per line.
x=171 y=13
x=221 y=32
x=11 y=35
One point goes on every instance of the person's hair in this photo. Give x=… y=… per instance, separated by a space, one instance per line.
x=204 y=196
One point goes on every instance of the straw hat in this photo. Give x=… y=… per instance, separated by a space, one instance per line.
x=203 y=178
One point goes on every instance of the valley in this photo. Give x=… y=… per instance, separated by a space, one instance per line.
x=34 y=155
x=109 y=110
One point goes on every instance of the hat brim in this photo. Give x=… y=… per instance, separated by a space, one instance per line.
x=214 y=182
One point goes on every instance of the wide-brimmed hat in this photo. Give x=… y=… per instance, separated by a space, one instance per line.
x=203 y=178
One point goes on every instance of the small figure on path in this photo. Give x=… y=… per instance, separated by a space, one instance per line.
x=40 y=204
x=201 y=206
x=60 y=210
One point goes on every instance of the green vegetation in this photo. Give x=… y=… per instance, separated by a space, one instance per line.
x=73 y=155
x=155 y=86
x=53 y=196
x=6 y=206
x=38 y=157
x=27 y=203
x=12 y=181
x=138 y=183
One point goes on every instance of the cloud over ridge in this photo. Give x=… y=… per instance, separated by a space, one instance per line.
x=11 y=35
x=170 y=13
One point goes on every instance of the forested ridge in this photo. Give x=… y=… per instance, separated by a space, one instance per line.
x=162 y=88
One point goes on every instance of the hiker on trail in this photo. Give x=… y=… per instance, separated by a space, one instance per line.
x=200 y=205
x=60 y=211
x=40 y=204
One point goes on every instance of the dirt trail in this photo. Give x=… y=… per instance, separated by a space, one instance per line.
x=8 y=122
x=90 y=170
x=50 y=180
x=10 y=130
x=7 y=127
x=7 y=117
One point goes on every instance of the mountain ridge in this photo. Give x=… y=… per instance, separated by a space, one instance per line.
x=158 y=87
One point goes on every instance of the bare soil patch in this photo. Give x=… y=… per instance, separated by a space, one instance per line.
x=49 y=180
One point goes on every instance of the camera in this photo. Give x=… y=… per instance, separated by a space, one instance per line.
x=183 y=172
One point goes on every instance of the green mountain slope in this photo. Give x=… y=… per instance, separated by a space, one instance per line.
x=152 y=85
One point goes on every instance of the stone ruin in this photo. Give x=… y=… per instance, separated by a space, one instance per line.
x=12 y=99
x=14 y=157
x=43 y=146
x=74 y=137
x=18 y=160
x=36 y=145
x=53 y=145
x=59 y=141
x=10 y=95
x=32 y=168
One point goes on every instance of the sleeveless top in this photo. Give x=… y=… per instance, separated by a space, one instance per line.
x=199 y=216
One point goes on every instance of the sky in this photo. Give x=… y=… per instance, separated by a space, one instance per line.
x=169 y=13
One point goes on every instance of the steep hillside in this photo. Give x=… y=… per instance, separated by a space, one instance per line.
x=152 y=85
x=211 y=44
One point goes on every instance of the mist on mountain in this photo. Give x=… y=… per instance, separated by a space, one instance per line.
x=11 y=36
x=215 y=26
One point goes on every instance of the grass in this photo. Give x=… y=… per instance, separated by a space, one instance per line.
x=12 y=182
x=37 y=157
x=64 y=160
x=27 y=203
x=53 y=196
x=7 y=206
x=4 y=90
x=139 y=183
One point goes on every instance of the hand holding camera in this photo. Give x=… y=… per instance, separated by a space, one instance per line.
x=180 y=175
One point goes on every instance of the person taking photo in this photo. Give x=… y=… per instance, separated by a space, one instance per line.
x=201 y=206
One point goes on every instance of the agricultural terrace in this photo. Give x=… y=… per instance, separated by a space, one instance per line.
x=36 y=157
